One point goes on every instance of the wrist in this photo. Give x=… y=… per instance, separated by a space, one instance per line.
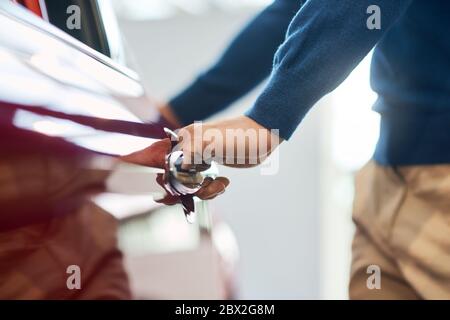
x=168 y=117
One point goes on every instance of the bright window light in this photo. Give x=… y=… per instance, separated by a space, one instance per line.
x=355 y=127
x=161 y=9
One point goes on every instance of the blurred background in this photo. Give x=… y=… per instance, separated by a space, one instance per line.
x=293 y=229
x=281 y=236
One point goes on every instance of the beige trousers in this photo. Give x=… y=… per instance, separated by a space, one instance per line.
x=402 y=216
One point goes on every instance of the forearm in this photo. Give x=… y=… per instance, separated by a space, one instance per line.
x=246 y=62
x=326 y=40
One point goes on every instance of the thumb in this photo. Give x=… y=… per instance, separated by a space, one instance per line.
x=153 y=156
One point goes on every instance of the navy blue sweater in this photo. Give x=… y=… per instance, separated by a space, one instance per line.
x=325 y=40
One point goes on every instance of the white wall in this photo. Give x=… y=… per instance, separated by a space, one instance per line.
x=275 y=218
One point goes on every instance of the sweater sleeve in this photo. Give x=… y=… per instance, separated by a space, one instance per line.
x=245 y=63
x=326 y=40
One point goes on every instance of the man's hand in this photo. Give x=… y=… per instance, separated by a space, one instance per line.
x=155 y=156
x=238 y=142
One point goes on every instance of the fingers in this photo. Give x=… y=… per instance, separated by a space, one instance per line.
x=212 y=188
x=169 y=200
x=153 y=156
x=191 y=146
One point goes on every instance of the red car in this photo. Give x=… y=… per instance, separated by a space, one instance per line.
x=69 y=110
